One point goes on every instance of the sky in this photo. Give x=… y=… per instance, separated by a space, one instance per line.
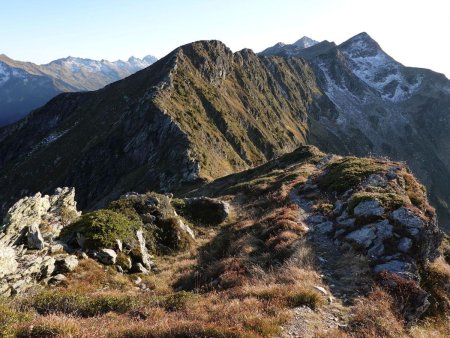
x=416 y=33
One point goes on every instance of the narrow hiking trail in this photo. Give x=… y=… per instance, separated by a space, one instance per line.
x=343 y=273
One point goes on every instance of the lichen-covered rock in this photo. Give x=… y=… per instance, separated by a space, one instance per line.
x=404 y=245
x=8 y=262
x=34 y=237
x=363 y=237
x=36 y=209
x=368 y=208
x=47 y=268
x=65 y=264
x=107 y=256
x=139 y=268
x=408 y=219
x=141 y=254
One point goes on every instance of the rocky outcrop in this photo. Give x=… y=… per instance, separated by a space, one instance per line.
x=377 y=214
x=27 y=241
x=205 y=210
x=33 y=213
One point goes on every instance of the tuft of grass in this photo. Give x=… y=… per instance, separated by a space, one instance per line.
x=286 y=295
x=10 y=317
x=346 y=173
x=435 y=280
x=416 y=192
x=79 y=304
x=48 y=327
x=178 y=300
x=373 y=317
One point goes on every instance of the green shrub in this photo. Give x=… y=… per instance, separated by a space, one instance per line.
x=126 y=207
x=101 y=229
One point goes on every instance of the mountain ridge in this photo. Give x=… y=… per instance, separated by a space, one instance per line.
x=25 y=86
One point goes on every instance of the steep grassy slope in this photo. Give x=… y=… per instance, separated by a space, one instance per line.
x=239 y=110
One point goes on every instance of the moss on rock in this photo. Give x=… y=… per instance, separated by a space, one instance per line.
x=346 y=173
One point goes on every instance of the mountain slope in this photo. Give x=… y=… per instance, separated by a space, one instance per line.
x=387 y=109
x=197 y=114
x=25 y=86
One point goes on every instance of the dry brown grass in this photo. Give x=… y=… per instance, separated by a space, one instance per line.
x=373 y=317
x=212 y=315
x=431 y=328
x=437 y=281
x=90 y=276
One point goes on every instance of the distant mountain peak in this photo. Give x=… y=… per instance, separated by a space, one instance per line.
x=361 y=43
x=305 y=42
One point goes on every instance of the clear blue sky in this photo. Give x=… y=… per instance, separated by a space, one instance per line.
x=414 y=32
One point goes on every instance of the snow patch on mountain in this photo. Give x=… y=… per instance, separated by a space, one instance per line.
x=379 y=70
x=305 y=42
x=76 y=65
x=4 y=73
